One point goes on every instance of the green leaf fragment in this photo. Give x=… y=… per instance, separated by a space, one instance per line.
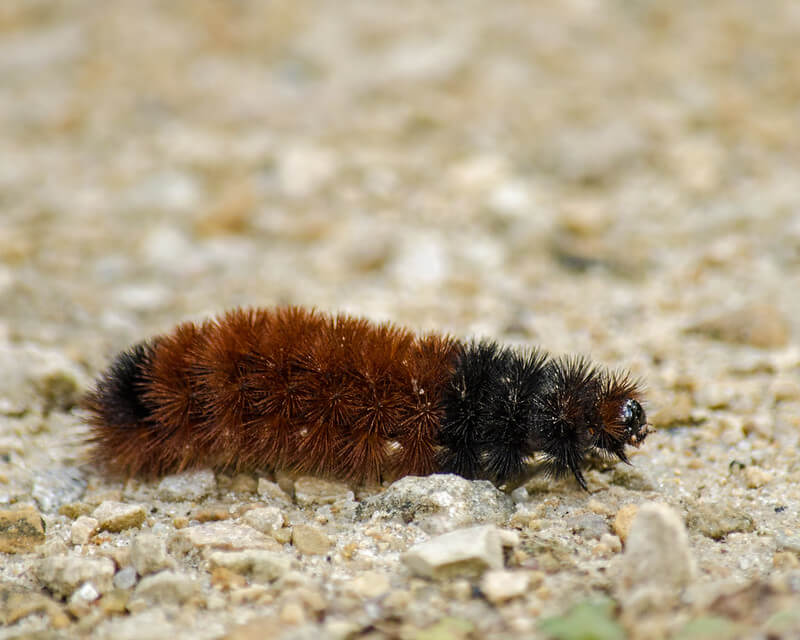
x=591 y=620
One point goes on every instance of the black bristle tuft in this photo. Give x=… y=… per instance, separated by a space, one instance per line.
x=508 y=402
x=479 y=366
x=118 y=393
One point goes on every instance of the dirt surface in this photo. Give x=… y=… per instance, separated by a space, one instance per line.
x=617 y=179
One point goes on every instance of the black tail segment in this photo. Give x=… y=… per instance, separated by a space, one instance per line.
x=116 y=401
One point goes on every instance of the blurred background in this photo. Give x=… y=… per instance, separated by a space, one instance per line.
x=594 y=176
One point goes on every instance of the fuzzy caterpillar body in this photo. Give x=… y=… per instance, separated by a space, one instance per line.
x=339 y=396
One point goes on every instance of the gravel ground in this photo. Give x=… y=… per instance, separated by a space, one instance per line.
x=611 y=178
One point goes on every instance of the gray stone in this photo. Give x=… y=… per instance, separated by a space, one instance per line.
x=657 y=563
x=56 y=487
x=309 y=490
x=118 y=516
x=125 y=578
x=62 y=575
x=264 y=519
x=716 y=521
x=223 y=535
x=439 y=503
x=167 y=587
x=258 y=564
x=21 y=530
x=188 y=486
x=465 y=552
x=149 y=554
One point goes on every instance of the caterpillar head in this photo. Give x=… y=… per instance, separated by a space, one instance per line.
x=623 y=419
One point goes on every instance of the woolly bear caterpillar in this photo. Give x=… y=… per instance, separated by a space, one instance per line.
x=336 y=395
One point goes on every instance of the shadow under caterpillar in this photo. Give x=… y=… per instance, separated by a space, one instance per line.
x=339 y=396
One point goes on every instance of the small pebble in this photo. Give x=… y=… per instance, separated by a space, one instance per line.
x=588 y=526
x=261 y=565
x=309 y=490
x=657 y=558
x=166 y=587
x=716 y=521
x=82 y=529
x=310 y=540
x=500 y=585
x=149 y=554
x=21 y=530
x=118 y=516
x=125 y=578
x=292 y=613
x=271 y=490
x=624 y=519
x=63 y=574
x=244 y=483
x=439 y=503
x=608 y=544
x=519 y=495
x=370 y=584
x=225 y=535
x=189 y=486
x=264 y=519
x=467 y=552
x=756 y=477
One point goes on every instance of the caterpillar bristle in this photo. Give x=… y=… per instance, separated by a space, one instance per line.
x=339 y=396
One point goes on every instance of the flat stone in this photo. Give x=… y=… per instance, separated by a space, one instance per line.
x=264 y=519
x=309 y=490
x=21 y=530
x=465 y=552
x=500 y=585
x=223 y=535
x=118 y=516
x=716 y=521
x=82 y=529
x=149 y=554
x=166 y=587
x=310 y=540
x=439 y=503
x=62 y=575
x=657 y=562
x=188 y=486
x=258 y=564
